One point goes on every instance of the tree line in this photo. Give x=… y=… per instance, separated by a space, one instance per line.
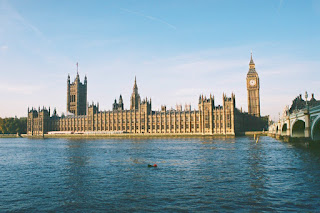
x=13 y=125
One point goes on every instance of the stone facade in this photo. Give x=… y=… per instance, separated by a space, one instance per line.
x=77 y=96
x=209 y=119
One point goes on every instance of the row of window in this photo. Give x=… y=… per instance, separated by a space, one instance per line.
x=153 y=127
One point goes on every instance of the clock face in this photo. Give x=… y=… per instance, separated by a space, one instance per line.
x=252 y=82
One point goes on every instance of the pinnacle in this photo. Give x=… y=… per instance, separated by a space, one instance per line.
x=251 y=60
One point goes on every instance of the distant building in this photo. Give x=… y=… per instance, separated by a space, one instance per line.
x=209 y=119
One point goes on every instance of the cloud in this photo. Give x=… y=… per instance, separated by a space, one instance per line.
x=15 y=15
x=149 y=17
x=4 y=47
x=280 y=5
x=20 y=88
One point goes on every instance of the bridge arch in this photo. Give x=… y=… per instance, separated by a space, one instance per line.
x=277 y=129
x=315 y=129
x=298 y=128
x=284 y=129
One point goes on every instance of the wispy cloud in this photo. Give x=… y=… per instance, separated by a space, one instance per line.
x=149 y=17
x=280 y=5
x=4 y=47
x=15 y=15
x=19 y=88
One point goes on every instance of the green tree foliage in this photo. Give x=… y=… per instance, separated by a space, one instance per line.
x=13 y=125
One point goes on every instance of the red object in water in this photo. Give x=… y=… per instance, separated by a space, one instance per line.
x=154 y=165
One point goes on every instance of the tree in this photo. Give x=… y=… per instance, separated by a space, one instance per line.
x=13 y=125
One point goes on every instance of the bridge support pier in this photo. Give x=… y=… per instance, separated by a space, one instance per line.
x=288 y=127
x=307 y=130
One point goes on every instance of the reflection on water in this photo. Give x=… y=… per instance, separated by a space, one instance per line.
x=205 y=174
x=258 y=173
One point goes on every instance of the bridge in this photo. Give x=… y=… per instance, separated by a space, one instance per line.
x=303 y=123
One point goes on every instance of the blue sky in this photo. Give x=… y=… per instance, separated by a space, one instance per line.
x=177 y=50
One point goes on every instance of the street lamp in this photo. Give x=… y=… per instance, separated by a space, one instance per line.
x=306 y=96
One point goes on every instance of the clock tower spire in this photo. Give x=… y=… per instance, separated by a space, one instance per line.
x=253 y=87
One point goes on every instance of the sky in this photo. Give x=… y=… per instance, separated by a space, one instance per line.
x=176 y=49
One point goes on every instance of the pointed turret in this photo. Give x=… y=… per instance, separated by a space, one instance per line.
x=135 y=100
x=120 y=99
x=135 y=87
x=251 y=60
x=252 y=65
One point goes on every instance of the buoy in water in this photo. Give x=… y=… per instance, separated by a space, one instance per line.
x=154 y=165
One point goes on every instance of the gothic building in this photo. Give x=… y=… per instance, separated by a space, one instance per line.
x=118 y=106
x=77 y=96
x=209 y=119
x=135 y=97
x=253 y=87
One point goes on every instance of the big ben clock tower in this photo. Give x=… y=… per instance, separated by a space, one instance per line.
x=253 y=86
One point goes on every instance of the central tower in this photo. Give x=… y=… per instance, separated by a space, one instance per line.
x=135 y=97
x=253 y=87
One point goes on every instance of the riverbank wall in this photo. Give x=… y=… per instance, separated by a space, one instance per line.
x=10 y=136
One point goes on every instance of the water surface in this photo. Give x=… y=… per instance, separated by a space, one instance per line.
x=205 y=174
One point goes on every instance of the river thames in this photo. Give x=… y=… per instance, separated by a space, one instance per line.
x=193 y=175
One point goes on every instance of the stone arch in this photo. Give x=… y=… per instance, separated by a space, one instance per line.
x=298 y=128
x=284 y=129
x=315 y=129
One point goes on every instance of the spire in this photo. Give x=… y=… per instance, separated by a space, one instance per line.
x=77 y=77
x=77 y=68
x=135 y=100
x=252 y=66
x=135 y=82
x=135 y=87
x=120 y=99
x=251 y=60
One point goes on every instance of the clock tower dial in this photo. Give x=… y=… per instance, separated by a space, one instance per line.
x=252 y=82
x=253 y=87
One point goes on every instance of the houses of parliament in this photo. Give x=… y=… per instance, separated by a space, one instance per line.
x=209 y=119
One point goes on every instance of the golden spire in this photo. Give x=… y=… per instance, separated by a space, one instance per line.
x=251 y=64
